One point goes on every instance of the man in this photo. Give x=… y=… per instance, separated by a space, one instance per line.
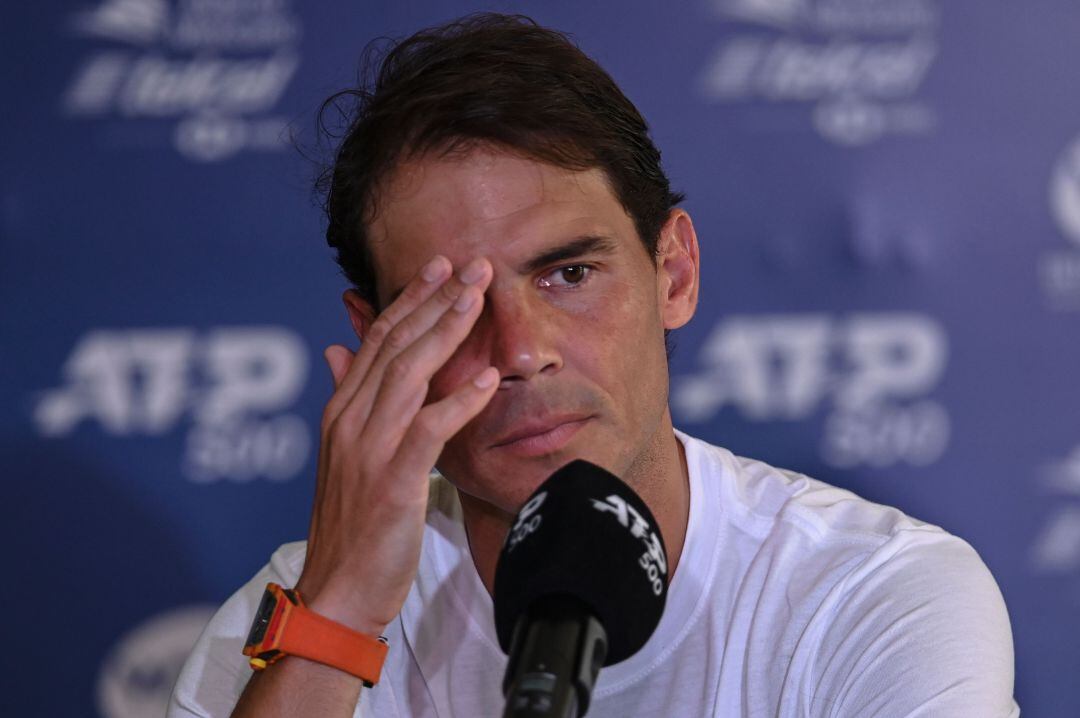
x=517 y=259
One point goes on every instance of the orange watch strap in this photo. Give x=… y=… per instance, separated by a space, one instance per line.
x=317 y=638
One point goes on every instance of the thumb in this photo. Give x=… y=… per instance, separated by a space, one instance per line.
x=339 y=359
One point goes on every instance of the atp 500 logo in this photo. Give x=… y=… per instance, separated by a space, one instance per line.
x=871 y=372
x=528 y=520
x=1059 y=269
x=653 y=561
x=1056 y=549
x=233 y=383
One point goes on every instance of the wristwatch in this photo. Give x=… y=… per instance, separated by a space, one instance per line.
x=284 y=626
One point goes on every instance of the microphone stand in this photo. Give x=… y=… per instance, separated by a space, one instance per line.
x=556 y=655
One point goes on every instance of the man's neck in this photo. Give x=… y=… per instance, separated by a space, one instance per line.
x=661 y=479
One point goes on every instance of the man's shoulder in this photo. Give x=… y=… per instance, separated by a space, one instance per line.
x=758 y=496
x=837 y=582
x=822 y=537
x=828 y=541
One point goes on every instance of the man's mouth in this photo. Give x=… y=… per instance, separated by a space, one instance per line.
x=541 y=437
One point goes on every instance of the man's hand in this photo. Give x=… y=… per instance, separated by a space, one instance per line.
x=379 y=442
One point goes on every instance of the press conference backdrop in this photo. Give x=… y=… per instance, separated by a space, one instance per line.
x=887 y=194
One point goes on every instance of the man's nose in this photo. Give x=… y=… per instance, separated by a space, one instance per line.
x=523 y=337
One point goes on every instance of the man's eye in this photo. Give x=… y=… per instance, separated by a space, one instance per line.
x=566 y=276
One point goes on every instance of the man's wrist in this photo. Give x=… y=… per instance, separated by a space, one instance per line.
x=285 y=626
x=350 y=608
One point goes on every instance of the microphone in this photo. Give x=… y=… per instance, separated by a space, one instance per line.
x=580 y=584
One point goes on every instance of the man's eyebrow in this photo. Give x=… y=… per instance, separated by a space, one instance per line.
x=589 y=244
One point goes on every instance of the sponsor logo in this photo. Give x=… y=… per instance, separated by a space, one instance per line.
x=859 y=63
x=214 y=69
x=1057 y=547
x=779 y=13
x=870 y=373
x=653 y=562
x=1059 y=270
x=232 y=384
x=877 y=16
x=138 y=674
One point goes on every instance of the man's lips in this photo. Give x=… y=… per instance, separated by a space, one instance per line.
x=543 y=437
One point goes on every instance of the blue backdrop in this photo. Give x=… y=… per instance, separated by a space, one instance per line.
x=887 y=194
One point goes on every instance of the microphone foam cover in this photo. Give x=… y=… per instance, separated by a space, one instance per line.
x=584 y=533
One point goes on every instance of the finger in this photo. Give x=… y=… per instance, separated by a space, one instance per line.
x=438 y=310
x=339 y=359
x=425 y=283
x=406 y=378
x=420 y=288
x=437 y=423
x=476 y=273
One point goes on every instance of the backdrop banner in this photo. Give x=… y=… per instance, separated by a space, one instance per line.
x=887 y=195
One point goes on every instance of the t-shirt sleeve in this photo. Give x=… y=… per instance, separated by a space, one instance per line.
x=216 y=671
x=920 y=631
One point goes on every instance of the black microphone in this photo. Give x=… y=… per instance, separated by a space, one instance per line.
x=580 y=583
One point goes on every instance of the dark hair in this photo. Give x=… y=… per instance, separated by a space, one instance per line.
x=486 y=78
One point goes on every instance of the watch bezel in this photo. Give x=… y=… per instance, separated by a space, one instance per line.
x=268 y=619
x=263 y=616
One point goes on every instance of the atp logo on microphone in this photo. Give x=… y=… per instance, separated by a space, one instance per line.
x=653 y=561
x=527 y=522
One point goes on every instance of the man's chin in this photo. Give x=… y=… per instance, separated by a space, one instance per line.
x=505 y=477
x=507 y=485
x=508 y=490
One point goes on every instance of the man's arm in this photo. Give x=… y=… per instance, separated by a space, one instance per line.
x=378 y=444
x=925 y=633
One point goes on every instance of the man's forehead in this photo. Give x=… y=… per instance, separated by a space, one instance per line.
x=468 y=204
x=484 y=184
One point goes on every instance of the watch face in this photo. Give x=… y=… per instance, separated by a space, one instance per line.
x=262 y=618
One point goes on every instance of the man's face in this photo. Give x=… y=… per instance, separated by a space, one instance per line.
x=573 y=319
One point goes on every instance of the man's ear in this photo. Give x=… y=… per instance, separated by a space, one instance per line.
x=678 y=269
x=361 y=313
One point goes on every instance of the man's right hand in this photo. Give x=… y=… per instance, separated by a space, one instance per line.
x=379 y=442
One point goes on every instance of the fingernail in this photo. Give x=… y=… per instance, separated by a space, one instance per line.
x=434 y=269
x=486 y=378
x=474 y=272
x=465 y=301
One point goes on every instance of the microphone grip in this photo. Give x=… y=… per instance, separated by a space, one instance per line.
x=556 y=654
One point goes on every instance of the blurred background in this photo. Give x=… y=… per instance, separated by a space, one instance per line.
x=887 y=194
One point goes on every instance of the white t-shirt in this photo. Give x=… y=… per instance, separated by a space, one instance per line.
x=791 y=598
